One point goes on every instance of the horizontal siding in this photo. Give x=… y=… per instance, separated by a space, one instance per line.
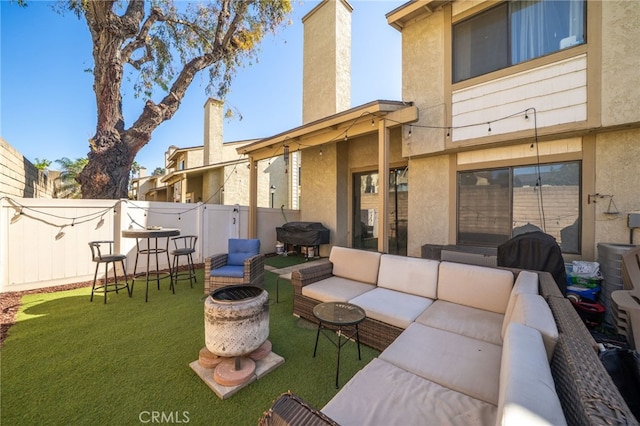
x=557 y=91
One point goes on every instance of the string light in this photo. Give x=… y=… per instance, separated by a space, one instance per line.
x=17 y=216
x=60 y=233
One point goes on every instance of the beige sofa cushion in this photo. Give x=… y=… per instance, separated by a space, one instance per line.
x=409 y=275
x=392 y=307
x=476 y=286
x=383 y=394
x=527 y=391
x=460 y=363
x=465 y=320
x=533 y=311
x=526 y=283
x=357 y=265
x=335 y=289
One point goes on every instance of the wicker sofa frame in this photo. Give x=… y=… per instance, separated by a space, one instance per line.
x=253 y=272
x=586 y=391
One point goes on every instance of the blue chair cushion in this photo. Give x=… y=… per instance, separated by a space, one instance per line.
x=242 y=249
x=230 y=271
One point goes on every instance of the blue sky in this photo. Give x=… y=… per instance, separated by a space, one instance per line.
x=48 y=105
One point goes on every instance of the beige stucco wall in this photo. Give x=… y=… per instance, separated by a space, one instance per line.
x=318 y=199
x=213 y=131
x=423 y=57
x=617 y=174
x=327 y=60
x=429 y=199
x=620 y=75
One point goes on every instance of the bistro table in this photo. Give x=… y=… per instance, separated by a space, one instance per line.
x=152 y=249
x=340 y=315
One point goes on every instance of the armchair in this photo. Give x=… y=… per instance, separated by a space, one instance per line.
x=243 y=264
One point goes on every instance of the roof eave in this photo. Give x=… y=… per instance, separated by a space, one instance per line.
x=374 y=109
x=413 y=9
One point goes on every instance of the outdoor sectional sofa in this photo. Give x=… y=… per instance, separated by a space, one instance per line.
x=461 y=344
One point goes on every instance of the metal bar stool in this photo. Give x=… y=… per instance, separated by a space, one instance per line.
x=185 y=245
x=102 y=252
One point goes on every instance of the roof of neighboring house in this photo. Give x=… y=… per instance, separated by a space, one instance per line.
x=353 y=122
x=180 y=150
x=176 y=175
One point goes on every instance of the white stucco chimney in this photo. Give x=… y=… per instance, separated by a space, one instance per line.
x=213 y=131
x=326 y=75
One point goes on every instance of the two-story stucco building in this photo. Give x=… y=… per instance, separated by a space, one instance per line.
x=513 y=114
x=214 y=172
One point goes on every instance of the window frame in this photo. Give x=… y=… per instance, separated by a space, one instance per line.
x=511 y=169
x=509 y=36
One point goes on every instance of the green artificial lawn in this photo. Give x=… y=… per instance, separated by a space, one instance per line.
x=67 y=361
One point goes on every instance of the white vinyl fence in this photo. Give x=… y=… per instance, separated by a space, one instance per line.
x=44 y=242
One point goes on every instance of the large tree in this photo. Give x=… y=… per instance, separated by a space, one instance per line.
x=165 y=45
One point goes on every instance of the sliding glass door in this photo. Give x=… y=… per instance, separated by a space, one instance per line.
x=365 y=210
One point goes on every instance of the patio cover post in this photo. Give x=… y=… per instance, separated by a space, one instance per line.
x=383 y=182
x=253 y=198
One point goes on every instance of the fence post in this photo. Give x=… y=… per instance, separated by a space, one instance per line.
x=119 y=212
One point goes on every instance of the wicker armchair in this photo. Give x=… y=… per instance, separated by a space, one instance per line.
x=243 y=264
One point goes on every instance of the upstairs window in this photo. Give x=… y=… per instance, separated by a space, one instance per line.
x=514 y=32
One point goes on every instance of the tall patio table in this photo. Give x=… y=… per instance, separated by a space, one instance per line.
x=152 y=250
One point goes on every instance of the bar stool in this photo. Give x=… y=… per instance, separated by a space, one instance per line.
x=185 y=245
x=102 y=252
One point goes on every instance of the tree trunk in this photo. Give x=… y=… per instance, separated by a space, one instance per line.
x=106 y=176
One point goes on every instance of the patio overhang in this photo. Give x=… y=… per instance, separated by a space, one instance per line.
x=354 y=122
x=377 y=117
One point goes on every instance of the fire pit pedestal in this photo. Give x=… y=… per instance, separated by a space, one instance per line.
x=236 y=330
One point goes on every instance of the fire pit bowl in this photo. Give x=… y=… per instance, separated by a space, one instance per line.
x=236 y=320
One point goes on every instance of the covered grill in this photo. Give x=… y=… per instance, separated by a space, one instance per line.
x=303 y=233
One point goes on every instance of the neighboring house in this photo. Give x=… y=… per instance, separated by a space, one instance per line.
x=148 y=188
x=513 y=115
x=215 y=173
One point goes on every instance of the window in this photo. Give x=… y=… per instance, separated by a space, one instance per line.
x=514 y=32
x=495 y=205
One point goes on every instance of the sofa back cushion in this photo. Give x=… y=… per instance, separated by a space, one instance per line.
x=526 y=282
x=353 y=264
x=527 y=394
x=533 y=311
x=476 y=286
x=409 y=275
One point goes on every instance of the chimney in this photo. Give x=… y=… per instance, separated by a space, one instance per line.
x=213 y=133
x=326 y=75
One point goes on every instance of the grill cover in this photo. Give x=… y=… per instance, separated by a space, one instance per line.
x=535 y=251
x=303 y=233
